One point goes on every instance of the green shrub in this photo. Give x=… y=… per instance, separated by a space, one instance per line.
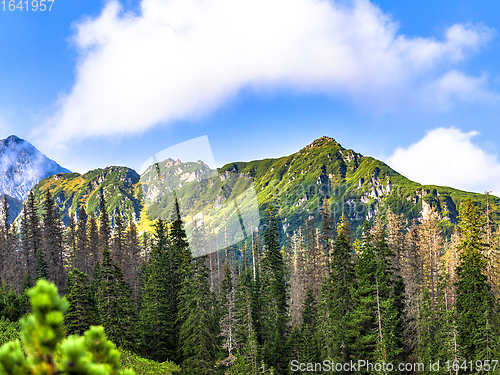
x=45 y=350
x=9 y=331
x=143 y=366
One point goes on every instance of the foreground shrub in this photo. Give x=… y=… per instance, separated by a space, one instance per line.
x=45 y=350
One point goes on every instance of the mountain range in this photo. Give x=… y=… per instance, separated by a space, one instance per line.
x=355 y=185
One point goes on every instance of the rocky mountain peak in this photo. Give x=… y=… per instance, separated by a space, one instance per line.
x=12 y=139
x=22 y=166
x=322 y=141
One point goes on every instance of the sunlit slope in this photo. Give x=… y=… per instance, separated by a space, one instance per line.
x=72 y=190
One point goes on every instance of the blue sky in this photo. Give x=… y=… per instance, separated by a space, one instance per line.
x=96 y=83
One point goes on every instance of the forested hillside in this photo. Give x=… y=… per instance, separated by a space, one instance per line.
x=401 y=293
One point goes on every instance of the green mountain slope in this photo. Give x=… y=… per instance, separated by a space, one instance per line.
x=355 y=185
x=72 y=190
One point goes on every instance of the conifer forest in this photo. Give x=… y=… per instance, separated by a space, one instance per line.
x=316 y=302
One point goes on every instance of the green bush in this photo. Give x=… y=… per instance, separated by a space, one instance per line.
x=9 y=331
x=45 y=350
x=143 y=366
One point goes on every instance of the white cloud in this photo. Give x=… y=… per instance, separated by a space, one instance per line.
x=449 y=157
x=182 y=58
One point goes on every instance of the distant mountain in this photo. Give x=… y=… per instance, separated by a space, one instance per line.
x=72 y=191
x=22 y=166
x=355 y=185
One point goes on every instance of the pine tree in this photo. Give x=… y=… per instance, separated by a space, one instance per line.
x=413 y=275
x=93 y=244
x=298 y=284
x=178 y=236
x=7 y=247
x=437 y=329
x=335 y=300
x=27 y=282
x=4 y=249
x=327 y=235
x=274 y=317
x=82 y=256
x=198 y=332
x=247 y=356
x=41 y=269
x=114 y=304
x=159 y=299
x=70 y=241
x=133 y=261
x=82 y=312
x=52 y=241
x=118 y=248
x=477 y=330
x=390 y=289
x=426 y=331
x=361 y=322
x=31 y=237
x=104 y=226
x=227 y=320
x=309 y=347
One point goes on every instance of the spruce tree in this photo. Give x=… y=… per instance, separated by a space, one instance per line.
x=335 y=299
x=327 y=234
x=426 y=331
x=104 y=226
x=82 y=312
x=133 y=261
x=247 y=357
x=82 y=256
x=93 y=244
x=52 y=241
x=27 y=282
x=4 y=248
x=477 y=329
x=309 y=346
x=227 y=318
x=70 y=242
x=115 y=306
x=178 y=237
x=274 y=317
x=31 y=236
x=361 y=322
x=390 y=305
x=118 y=248
x=41 y=268
x=298 y=279
x=8 y=253
x=159 y=300
x=412 y=272
x=198 y=332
